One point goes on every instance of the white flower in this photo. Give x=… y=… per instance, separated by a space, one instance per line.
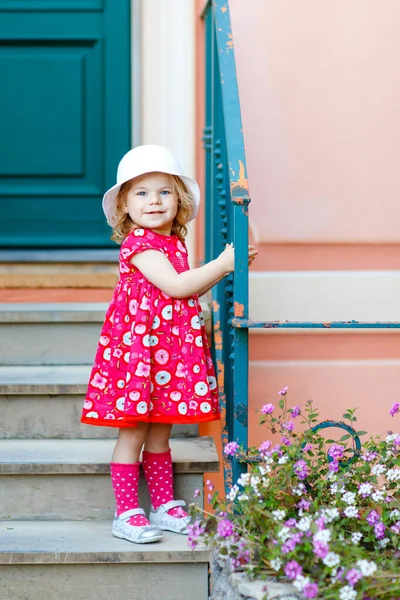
x=334 y=488
x=278 y=515
x=244 y=479
x=283 y=460
x=347 y=593
x=300 y=582
x=331 y=559
x=378 y=470
x=351 y=511
x=383 y=543
x=255 y=482
x=322 y=536
x=378 y=496
x=276 y=564
x=330 y=514
x=395 y=513
x=356 y=537
x=299 y=490
x=349 y=497
x=243 y=497
x=366 y=567
x=304 y=524
x=391 y=437
x=233 y=493
x=284 y=533
x=264 y=470
x=393 y=475
x=365 y=489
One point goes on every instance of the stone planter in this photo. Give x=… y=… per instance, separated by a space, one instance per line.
x=226 y=585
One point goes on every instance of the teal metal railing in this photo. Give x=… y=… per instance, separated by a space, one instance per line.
x=227 y=200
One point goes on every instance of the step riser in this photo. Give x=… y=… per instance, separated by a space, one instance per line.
x=48 y=343
x=73 y=497
x=49 y=417
x=105 y=581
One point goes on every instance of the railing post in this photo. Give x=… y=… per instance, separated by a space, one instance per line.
x=239 y=197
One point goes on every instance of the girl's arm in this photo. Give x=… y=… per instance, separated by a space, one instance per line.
x=209 y=287
x=159 y=271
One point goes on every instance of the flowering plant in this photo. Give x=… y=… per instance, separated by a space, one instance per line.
x=321 y=513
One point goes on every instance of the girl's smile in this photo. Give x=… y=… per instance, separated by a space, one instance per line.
x=152 y=202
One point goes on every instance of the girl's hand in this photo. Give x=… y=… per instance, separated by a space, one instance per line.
x=252 y=254
x=227 y=258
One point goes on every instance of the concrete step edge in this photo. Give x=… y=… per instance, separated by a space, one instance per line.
x=44 y=380
x=77 y=542
x=92 y=456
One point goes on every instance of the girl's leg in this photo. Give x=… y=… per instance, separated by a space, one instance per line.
x=125 y=468
x=157 y=466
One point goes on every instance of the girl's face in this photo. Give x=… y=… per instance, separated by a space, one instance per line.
x=152 y=202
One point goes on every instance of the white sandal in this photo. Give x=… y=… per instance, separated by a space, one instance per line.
x=144 y=534
x=161 y=519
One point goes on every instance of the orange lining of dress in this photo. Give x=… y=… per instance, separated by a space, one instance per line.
x=162 y=419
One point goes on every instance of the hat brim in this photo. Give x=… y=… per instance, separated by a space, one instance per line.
x=109 y=205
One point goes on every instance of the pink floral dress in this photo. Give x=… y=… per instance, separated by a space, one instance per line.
x=153 y=362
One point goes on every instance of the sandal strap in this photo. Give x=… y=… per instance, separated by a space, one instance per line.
x=131 y=513
x=171 y=504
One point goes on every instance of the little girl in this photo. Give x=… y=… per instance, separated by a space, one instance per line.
x=153 y=366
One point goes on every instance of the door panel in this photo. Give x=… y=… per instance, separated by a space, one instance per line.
x=64 y=118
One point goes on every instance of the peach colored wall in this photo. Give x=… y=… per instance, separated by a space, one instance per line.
x=320 y=93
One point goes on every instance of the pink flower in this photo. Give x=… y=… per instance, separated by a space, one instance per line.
x=395 y=409
x=283 y=392
x=289 y=425
x=267 y=409
x=265 y=448
x=142 y=370
x=98 y=381
x=310 y=590
x=231 y=448
x=225 y=528
x=292 y=569
x=336 y=451
x=296 y=411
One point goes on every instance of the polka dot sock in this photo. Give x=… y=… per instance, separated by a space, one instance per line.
x=125 y=482
x=159 y=478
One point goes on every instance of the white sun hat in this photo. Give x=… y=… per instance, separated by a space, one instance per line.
x=147 y=159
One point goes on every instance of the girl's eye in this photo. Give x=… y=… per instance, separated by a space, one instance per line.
x=141 y=193
x=165 y=192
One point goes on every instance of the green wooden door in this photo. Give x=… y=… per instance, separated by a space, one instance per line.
x=65 y=111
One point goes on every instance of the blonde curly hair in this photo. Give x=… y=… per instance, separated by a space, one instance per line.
x=124 y=224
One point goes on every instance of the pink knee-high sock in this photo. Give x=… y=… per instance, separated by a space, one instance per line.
x=125 y=482
x=159 y=478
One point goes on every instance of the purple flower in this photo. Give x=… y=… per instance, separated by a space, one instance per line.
x=307 y=448
x=288 y=425
x=396 y=528
x=267 y=409
x=291 y=523
x=320 y=523
x=225 y=528
x=353 y=576
x=379 y=529
x=334 y=466
x=283 y=392
x=301 y=469
x=292 y=569
x=321 y=549
x=304 y=504
x=373 y=517
x=231 y=448
x=196 y=493
x=336 y=451
x=395 y=409
x=285 y=440
x=195 y=531
x=296 y=410
x=310 y=590
x=396 y=441
x=291 y=543
x=265 y=448
x=369 y=456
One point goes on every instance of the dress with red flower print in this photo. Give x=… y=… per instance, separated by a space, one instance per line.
x=153 y=362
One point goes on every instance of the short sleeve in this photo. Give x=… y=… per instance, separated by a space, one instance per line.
x=138 y=241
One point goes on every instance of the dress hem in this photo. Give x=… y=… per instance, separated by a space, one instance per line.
x=133 y=422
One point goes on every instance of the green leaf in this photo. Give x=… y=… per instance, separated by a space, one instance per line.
x=345 y=437
x=361 y=433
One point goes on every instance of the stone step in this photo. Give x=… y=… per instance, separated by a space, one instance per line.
x=53 y=334
x=46 y=402
x=64 y=560
x=69 y=479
